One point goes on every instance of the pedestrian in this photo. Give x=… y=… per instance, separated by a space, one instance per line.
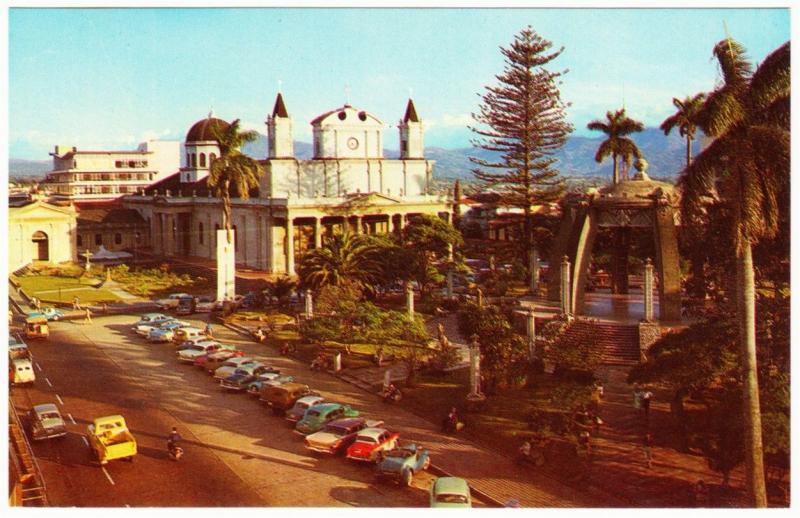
x=648 y=450
x=76 y=304
x=637 y=397
x=209 y=330
x=88 y=319
x=647 y=396
x=38 y=304
x=33 y=302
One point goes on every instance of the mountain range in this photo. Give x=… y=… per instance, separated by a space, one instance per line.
x=665 y=155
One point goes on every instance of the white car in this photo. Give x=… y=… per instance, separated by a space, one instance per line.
x=205 y=305
x=171 y=302
x=230 y=366
x=166 y=332
x=143 y=327
x=191 y=353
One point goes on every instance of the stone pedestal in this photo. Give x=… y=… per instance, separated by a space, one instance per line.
x=410 y=300
x=530 y=327
x=337 y=362
x=309 y=304
x=226 y=265
x=475 y=396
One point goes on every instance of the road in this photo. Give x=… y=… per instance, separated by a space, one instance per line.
x=237 y=452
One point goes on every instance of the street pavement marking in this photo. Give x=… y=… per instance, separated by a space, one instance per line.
x=108 y=476
x=38 y=366
x=59 y=399
x=86 y=442
x=48 y=382
x=73 y=421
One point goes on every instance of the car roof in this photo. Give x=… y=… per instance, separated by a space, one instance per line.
x=371 y=432
x=326 y=407
x=451 y=485
x=347 y=422
x=191 y=328
x=153 y=315
x=45 y=407
x=21 y=362
x=238 y=360
x=309 y=399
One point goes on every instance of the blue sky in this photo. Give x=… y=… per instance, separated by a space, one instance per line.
x=110 y=78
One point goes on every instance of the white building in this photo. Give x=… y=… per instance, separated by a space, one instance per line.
x=348 y=183
x=105 y=175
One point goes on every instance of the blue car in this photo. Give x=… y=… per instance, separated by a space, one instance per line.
x=49 y=313
x=403 y=462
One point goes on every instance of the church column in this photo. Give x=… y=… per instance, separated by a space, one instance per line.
x=270 y=245
x=359 y=230
x=317 y=232
x=289 y=245
x=169 y=243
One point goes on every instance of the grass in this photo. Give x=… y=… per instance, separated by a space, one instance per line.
x=56 y=289
x=154 y=282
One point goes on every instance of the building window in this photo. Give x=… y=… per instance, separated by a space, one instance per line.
x=98 y=239
x=80 y=240
x=200 y=229
x=202 y=159
x=188 y=160
x=194 y=159
x=118 y=239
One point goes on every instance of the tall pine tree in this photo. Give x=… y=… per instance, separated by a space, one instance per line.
x=522 y=122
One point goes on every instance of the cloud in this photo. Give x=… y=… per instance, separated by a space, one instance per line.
x=449 y=120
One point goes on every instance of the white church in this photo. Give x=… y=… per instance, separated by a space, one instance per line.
x=347 y=184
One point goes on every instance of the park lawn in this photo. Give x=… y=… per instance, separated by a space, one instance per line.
x=46 y=288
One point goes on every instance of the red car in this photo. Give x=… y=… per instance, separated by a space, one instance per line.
x=222 y=355
x=370 y=442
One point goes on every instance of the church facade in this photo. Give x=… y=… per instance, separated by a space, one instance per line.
x=347 y=184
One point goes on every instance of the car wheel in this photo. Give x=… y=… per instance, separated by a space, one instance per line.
x=406 y=477
x=130 y=459
x=56 y=317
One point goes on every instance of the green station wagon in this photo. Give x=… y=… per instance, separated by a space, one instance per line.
x=318 y=416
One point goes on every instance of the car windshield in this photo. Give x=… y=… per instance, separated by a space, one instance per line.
x=367 y=439
x=313 y=413
x=336 y=430
x=51 y=415
x=451 y=499
x=399 y=454
x=198 y=348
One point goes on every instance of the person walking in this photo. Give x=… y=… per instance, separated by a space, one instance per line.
x=647 y=396
x=209 y=330
x=76 y=304
x=88 y=319
x=647 y=445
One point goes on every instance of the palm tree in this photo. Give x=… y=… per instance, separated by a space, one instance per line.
x=685 y=119
x=343 y=258
x=616 y=126
x=233 y=168
x=745 y=168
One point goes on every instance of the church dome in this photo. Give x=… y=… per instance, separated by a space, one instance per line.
x=206 y=129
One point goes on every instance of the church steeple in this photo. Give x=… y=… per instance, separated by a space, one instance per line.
x=411 y=133
x=279 y=131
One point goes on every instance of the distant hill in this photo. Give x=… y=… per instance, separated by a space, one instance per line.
x=18 y=167
x=665 y=156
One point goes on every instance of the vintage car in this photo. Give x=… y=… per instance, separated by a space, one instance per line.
x=186 y=305
x=319 y=415
x=338 y=435
x=46 y=422
x=151 y=319
x=204 y=361
x=188 y=333
x=171 y=302
x=300 y=406
x=109 y=439
x=370 y=444
x=245 y=375
x=19 y=350
x=281 y=398
x=267 y=378
x=230 y=365
x=143 y=326
x=403 y=462
x=450 y=492
x=205 y=305
x=20 y=371
x=190 y=354
x=36 y=326
x=165 y=332
x=50 y=313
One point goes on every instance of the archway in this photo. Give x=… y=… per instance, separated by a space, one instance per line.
x=41 y=246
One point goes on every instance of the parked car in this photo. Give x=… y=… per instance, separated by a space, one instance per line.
x=189 y=354
x=46 y=422
x=192 y=341
x=216 y=359
x=267 y=379
x=230 y=365
x=450 y=492
x=143 y=327
x=205 y=361
x=165 y=332
x=244 y=375
x=36 y=326
x=205 y=305
x=50 y=313
x=370 y=444
x=20 y=372
x=171 y=302
x=152 y=318
x=19 y=350
x=283 y=397
x=403 y=462
x=187 y=333
x=338 y=435
x=298 y=410
x=319 y=415
x=186 y=305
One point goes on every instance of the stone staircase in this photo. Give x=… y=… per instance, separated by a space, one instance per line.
x=617 y=344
